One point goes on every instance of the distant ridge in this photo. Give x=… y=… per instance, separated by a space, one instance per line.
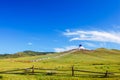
x=73 y=51
x=23 y=54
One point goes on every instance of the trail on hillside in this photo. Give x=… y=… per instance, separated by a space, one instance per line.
x=61 y=55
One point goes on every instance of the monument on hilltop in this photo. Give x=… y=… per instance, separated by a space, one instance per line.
x=81 y=47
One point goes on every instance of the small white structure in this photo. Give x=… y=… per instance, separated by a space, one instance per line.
x=81 y=47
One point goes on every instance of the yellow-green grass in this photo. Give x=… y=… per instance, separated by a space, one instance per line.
x=99 y=61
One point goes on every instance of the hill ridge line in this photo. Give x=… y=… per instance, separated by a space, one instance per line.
x=37 y=60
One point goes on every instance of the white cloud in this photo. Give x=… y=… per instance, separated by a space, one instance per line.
x=65 y=48
x=101 y=36
x=89 y=44
x=29 y=43
x=59 y=49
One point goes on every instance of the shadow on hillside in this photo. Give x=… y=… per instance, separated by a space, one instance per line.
x=1 y=77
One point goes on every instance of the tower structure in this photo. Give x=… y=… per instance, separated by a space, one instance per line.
x=81 y=47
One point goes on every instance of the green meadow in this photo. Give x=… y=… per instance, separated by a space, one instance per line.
x=99 y=60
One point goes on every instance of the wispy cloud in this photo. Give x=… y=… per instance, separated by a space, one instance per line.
x=101 y=36
x=89 y=44
x=29 y=44
x=65 y=48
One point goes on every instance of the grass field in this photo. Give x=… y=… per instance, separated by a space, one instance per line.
x=98 y=60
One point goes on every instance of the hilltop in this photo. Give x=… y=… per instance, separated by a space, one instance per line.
x=75 y=56
x=29 y=53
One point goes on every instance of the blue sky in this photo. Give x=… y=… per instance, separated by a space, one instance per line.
x=58 y=25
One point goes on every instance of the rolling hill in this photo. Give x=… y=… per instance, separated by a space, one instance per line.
x=23 y=54
x=98 y=60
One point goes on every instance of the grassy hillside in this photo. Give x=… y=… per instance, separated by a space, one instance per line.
x=23 y=54
x=98 y=60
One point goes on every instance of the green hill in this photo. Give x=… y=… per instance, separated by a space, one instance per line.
x=99 y=56
x=23 y=54
x=98 y=60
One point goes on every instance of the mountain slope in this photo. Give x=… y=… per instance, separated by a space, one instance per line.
x=99 y=59
x=23 y=54
x=75 y=57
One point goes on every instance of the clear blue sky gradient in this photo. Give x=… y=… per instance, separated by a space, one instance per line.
x=38 y=24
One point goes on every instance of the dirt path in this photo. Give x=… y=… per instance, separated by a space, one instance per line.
x=61 y=55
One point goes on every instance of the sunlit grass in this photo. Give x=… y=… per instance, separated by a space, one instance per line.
x=98 y=61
